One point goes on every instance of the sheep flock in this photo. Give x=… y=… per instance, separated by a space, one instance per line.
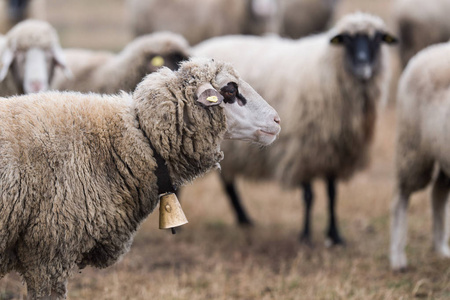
x=337 y=113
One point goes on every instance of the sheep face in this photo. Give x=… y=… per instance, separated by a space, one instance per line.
x=30 y=53
x=362 y=51
x=248 y=115
x=32 y=68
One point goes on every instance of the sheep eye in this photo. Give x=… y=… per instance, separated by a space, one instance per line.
x=229 y=92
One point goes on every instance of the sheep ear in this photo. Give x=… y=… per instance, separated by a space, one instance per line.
x=58 y=56
x=7 y=59
x=389 y=39
x=208 y=96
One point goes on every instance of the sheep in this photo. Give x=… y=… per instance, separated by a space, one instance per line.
x=326 y=88
x=30 y=53
x=198 y=20
x=423 y=106
x=421 y=24
x=305 y=17
x=78 y=170
x=104 y=72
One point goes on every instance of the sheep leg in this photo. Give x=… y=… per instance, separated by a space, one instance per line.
x=308 y=198
x=439 y=198
x=399 y=228
x=241 y=215
x=39 y=287
x=333 y=232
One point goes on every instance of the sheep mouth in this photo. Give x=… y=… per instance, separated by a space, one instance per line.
x=267 y=132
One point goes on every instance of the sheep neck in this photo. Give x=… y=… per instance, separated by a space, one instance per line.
x=189 y=149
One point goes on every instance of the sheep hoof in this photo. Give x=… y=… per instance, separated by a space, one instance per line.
x=334 y=241
x=399 y=263
x=444 y=252
x=245 y=223
x=306 y=240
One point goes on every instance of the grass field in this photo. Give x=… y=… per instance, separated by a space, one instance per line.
x=211 y=258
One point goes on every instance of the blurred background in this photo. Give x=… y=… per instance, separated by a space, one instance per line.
x=212 y=258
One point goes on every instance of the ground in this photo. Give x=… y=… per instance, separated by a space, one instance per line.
x=211 y=258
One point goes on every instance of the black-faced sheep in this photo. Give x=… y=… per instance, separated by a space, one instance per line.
x=423 y=140
x=326 y=89
x=198 y=20
x=29 y=56
x=105 y=72
x=78 y=170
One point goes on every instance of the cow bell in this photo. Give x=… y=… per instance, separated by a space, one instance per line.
x=170 y=213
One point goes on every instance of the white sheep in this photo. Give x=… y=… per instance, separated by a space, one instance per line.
x=326 y=88
x=421 y=24
x=78 y=170
x=198 y=20
x=423 y=108
x=305 y=17
x=29 y=56
x=106 y=72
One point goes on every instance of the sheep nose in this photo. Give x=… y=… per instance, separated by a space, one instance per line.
x=36 y=86
x=277 y=119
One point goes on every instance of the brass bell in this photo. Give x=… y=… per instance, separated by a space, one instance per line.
x=170 y=213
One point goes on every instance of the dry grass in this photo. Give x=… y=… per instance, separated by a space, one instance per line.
x=213 y=259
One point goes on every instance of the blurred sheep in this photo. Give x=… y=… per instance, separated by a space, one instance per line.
x=421 y=24
x=423 y=144
x=198 y=20
x=326 y=88
x=29 y=56
x=80 y=171
x=305 y=17
x=106 y=72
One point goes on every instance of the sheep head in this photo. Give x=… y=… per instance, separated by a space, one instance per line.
x=361 y=36
x=31 y=53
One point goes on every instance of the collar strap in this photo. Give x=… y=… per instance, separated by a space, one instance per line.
x=162 y=174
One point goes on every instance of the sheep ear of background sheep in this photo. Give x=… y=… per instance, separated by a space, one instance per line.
x=60 y=59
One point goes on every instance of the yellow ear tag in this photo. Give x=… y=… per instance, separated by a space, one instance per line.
x=157 y=61
x=213 y=99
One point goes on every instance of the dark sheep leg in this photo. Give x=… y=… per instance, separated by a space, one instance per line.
x=333 y=232
x=308 y=198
